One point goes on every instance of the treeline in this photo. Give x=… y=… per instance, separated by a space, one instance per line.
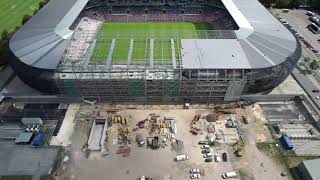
x=297 y=3
x=6 y=35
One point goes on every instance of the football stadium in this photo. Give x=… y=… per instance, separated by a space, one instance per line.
x=154 y=50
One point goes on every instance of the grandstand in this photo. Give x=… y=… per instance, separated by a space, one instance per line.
x=149 y=50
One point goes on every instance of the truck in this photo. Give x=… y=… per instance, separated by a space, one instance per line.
x=140 y=140
x=182 y=157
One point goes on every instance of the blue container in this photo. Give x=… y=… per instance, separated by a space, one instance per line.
x=286 y=143
x=39 y=139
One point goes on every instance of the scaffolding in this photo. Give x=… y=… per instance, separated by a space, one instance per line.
x=102 y=69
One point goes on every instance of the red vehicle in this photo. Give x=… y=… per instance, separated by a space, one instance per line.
x=141 y=124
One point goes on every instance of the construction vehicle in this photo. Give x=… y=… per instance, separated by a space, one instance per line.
x=238 y=148
x=141 y=124
x=140 y=140
x=196 y=118
x=195 y=130
x=153 y=142
x=112 y=110
x=186 y=106
x=244 y=120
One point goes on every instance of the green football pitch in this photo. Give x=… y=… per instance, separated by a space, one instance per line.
x=12 y=11
x=141 y=41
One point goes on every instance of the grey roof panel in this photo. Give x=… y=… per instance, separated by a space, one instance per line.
x=270 y=44
x=46 y=41
x=50 y=59
x=31 y=40
x=251 y=53
x=270 y=53
x=313 y=168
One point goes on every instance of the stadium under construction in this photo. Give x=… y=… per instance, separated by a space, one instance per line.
x=154 y=51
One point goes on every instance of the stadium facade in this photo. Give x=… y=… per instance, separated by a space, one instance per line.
x=254 y=57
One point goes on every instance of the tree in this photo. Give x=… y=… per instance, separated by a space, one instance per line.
x=4 y=36
x=307 y=59
x=297 y=3
x=41 y=4
x=25 y=18
x=283 y=3
x=314 y=65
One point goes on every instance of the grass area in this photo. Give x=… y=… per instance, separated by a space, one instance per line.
x=11 y=12
x=142 y=33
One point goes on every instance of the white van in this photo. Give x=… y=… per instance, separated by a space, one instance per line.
x=182 y=157
x=230 y=174
x=309 y=13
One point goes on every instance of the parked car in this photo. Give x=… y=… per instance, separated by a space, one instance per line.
x=145 y=178
x=182 y=157
x=224 y=157
x=205 y=151
x=309 y=13
x=207 y=155
x=194 y=171
x=228 y=175
x=315 y=90
x=203 y=142
x=208 y=160
x=195 y=176
x=315 y=19
x=205 y=147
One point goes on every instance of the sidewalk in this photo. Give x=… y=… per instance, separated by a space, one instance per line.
x=67 y=127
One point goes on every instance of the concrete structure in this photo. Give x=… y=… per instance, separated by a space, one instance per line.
x=24 y=138
x=254 y=58
x=309 y=169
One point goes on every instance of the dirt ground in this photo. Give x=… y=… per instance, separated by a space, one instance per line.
x=255 y=164
x=160 y=163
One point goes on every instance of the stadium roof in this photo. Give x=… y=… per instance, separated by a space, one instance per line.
x=42 y=40
x=262 y=41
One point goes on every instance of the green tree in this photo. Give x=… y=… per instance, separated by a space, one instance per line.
x=5 y=35
x=307 y=59
x=297 y=3
x=25 y=18
x=314 y=65
x=283 y=3
x=41 y=4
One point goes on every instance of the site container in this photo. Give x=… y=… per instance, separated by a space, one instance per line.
x=39 y=139
x=286 y=143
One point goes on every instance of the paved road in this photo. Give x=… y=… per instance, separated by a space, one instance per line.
x=308 y=86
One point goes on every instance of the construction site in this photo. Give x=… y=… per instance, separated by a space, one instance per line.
x=260 y=137
x=134 y=141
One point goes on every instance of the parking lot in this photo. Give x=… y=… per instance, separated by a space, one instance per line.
x=299 y=20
